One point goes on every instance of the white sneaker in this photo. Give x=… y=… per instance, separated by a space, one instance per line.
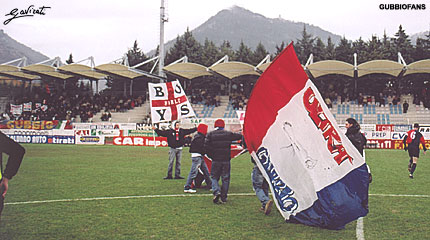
x=189 y=190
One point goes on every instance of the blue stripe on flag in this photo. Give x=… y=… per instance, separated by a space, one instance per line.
x=339 y=203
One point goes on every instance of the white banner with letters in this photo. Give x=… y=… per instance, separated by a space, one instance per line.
x=168 y=102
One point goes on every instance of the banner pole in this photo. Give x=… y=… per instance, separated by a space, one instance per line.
x=153 y=135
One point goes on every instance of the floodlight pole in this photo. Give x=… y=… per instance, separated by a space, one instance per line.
x=163 y=19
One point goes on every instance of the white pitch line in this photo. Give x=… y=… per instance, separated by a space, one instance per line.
x=359 y=231
x=123 y=197
x=398 y=195
x=176 y=195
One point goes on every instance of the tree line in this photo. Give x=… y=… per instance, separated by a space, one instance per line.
x=375 y=48
x=208 y=53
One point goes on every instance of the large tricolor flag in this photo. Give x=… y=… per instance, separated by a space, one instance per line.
x=316 y=175
x=168 y=102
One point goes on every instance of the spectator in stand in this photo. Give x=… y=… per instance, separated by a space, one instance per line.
x=405 y=107
x=328 y=102
x=395 y=100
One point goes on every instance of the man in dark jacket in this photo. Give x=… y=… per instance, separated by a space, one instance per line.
x=175 y=140
x=354 y=135
x=218 y=147
x=197 y=150
x=16 y=153
x=357 y=138
x=411 y=143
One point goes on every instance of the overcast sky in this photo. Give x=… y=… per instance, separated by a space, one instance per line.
x=106 y=29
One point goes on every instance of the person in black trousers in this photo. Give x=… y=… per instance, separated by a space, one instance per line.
x=16 y=153
x=175 y=140
x=411 y=143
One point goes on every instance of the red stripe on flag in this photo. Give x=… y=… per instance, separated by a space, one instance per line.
x=283 y=79
x=169 y=102
x=171 y=94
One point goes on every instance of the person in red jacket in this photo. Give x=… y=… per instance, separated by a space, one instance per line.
x=16 y=153
x=411 y=144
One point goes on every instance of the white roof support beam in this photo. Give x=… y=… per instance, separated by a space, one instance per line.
x=22 y=62
x=145 y=62
x=310 y=60
x=265 y=60
x=222 y=60
x=183 y=59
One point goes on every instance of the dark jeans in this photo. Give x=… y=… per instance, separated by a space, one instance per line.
x=220 y=169
x=1 y=199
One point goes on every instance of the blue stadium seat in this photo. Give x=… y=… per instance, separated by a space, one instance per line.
x=347 y=109
x=338 y=109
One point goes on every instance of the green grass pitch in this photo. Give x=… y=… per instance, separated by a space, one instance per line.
x=399 y=206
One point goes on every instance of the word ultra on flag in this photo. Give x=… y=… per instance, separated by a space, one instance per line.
x=168 y=102
x=316 y=175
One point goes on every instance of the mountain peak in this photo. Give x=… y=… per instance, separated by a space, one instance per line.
x=12 y=49
x=237 y=24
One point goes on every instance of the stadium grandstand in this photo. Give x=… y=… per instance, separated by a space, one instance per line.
x=216 y=91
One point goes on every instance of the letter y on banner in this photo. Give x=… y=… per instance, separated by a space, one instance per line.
x=168 y=102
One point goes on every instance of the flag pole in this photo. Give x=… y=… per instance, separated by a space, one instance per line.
x=153 y=134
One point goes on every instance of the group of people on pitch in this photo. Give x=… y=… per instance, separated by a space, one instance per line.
x=217 y=146
x=411 y=143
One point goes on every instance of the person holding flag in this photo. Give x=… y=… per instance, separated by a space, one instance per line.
x=411 y=143
x=218 y=146
x=260 y=186
x=175 y=140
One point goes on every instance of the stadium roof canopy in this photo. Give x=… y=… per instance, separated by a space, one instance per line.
x=263 y=66
x=45 y=70
x=82 y=71
x=326 y=67
x=119 y=70
x=422 y=66
x=16 y=73
x=187 y=70
x=232 y=70
x=380 y=66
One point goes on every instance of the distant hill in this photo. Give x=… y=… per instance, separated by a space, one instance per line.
x=237 y=24
x=418 y=35
x=10 y=49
